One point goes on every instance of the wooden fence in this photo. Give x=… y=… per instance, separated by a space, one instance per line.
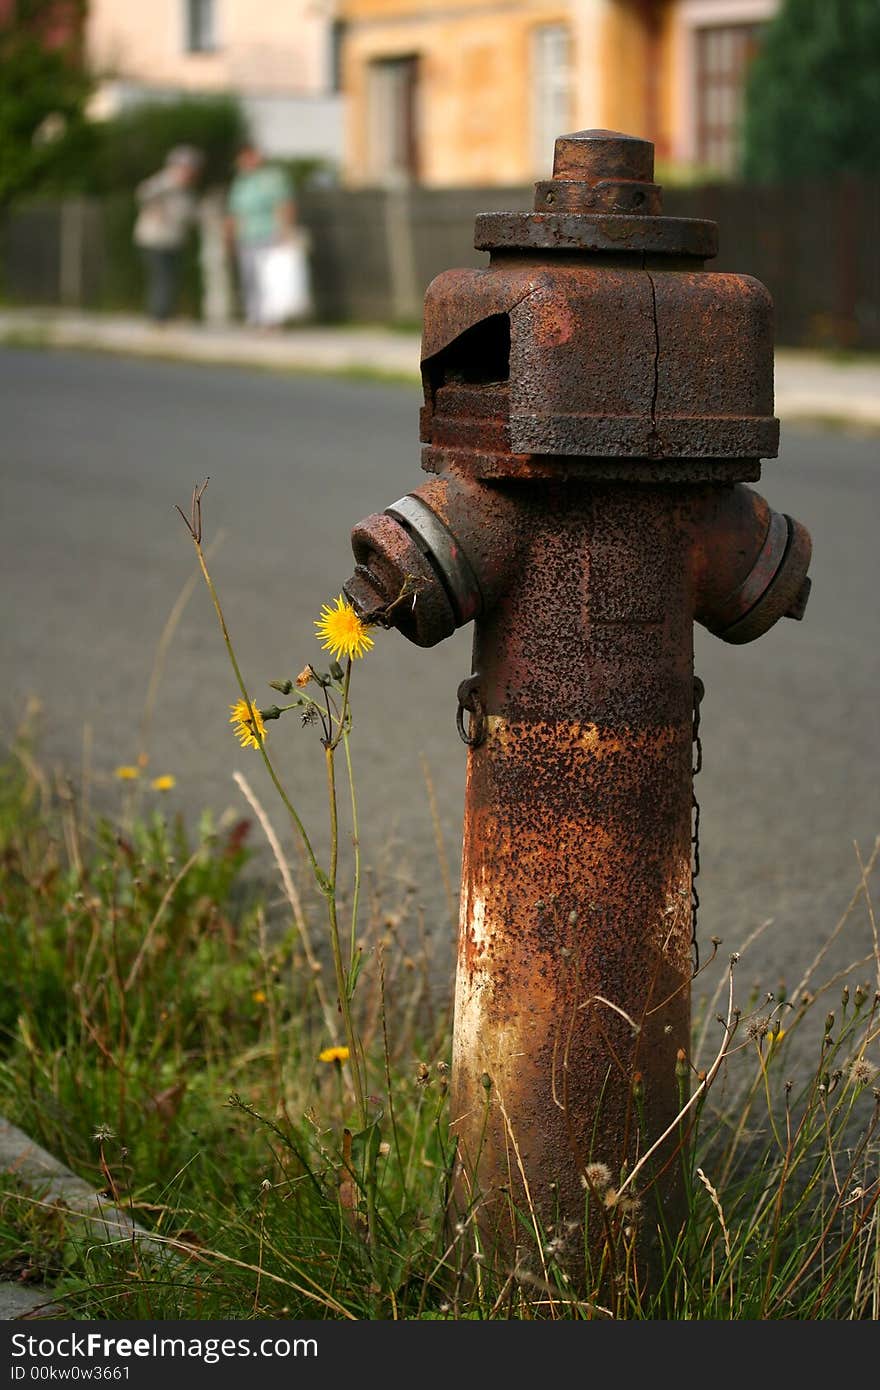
x=374 y=251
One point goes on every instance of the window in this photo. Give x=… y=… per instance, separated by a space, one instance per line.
x=723 y=54
x=393 y=119
x=199 y=26
x=551 y=91
x=335 y=46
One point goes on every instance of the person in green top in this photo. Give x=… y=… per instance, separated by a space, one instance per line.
x=262 y=213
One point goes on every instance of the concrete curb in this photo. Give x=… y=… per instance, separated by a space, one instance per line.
x=55 y=1185
x=368 y=352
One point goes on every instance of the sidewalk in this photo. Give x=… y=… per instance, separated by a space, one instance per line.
x=809 y=385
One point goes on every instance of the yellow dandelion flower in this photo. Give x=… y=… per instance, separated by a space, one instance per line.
x=341 y=631
x=127 y=773
x=334 y=1054
x=259 y=996
x=163 y=783
x=244 y=720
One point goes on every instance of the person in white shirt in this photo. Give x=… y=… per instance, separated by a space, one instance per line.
x=167 y=210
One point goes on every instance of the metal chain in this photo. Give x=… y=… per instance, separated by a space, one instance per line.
x=699 y=692
x=469 y=702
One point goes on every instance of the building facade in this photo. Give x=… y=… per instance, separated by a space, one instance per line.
x=466 y=92
x=278 y=56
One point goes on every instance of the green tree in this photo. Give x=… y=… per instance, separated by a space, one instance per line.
x=813 y=92
x=43 y=91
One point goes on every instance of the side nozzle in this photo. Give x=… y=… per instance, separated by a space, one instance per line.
x=436 y=558
x=754 y=564
x=395 y=583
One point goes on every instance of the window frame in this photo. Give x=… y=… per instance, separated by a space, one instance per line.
x=199 y=38
x=719 y=81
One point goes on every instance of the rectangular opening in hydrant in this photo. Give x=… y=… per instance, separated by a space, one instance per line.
x=479 y=356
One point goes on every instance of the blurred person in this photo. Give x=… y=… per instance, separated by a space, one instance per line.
x=262 y=219
x=168 y=208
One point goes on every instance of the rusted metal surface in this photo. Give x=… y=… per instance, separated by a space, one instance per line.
x=595 y=362
x=589 y=422
x=574 y=945
x=601 y=198
x=568 y=231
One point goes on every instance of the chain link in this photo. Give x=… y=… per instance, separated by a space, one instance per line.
x=699 y=692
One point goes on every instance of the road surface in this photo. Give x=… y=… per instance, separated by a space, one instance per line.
x=97 y=450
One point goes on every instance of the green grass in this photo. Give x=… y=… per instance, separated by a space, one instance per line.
x=160 y=1031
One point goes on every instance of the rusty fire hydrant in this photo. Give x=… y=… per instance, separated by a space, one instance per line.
x=594 y=402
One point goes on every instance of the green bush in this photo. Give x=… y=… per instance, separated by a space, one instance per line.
x=813 y=94
x=133 y=145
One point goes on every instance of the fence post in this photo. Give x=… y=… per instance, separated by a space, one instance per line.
x=400 y=244
x=71 y=250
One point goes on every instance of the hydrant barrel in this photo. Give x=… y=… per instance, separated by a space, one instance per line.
x=575 y=940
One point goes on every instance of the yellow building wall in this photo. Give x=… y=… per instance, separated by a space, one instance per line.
x=624 y=52
x=668 y=106
x=475 y=100
x=475 y=116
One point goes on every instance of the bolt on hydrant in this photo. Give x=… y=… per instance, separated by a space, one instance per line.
x=595 y=401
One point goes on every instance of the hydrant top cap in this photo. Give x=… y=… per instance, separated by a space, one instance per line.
x=590 y=155
x=601 y=198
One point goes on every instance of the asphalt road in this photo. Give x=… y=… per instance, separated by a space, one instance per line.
x=95 y=453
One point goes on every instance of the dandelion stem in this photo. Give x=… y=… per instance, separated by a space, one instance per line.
x=342 y=987
x=289 y=807
x=345 y=726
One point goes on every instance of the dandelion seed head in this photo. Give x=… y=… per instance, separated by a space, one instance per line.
x=861 y=1072
x=596 y=1175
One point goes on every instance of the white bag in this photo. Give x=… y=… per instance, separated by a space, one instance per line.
x=283 y=277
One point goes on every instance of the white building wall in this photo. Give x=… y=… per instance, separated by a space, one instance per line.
x=275 y=55
x=277 y=45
